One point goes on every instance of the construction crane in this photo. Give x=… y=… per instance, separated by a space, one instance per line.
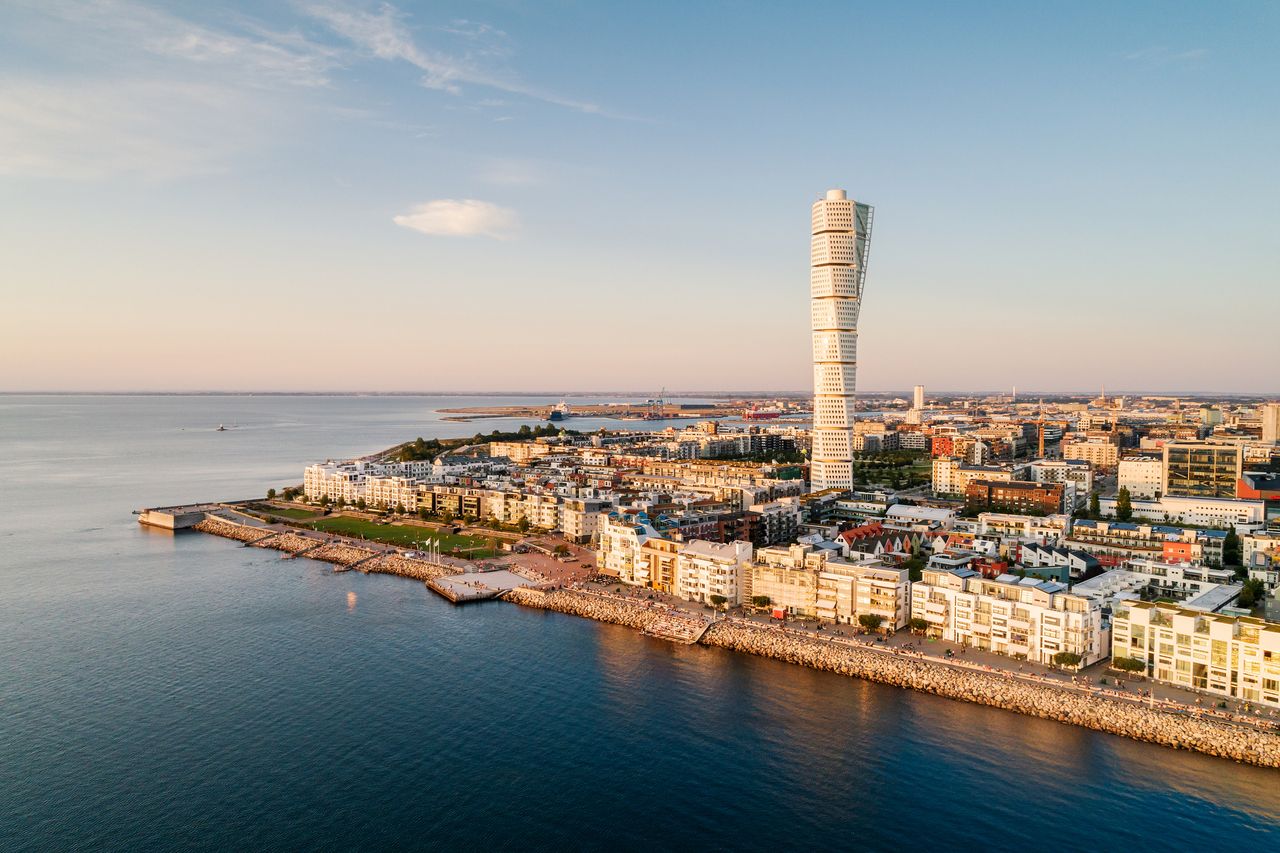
x=657 y=406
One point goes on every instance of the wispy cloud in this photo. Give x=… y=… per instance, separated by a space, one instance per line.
x=247 y=50
x=1167 y=56
x=110 y=87
x=385 y=34
x=151 y=129
x=466 y=217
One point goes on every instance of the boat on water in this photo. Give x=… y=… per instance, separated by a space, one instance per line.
x=757 y=414
x=221 y=428
x=559 y=412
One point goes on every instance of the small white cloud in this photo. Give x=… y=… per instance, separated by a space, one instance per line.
x=466 y=217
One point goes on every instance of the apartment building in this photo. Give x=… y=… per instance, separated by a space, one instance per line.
x=1100 y=451
x=1117 y=541
x=706 y=570
x=1074 y=474
x=1029 y=618
x=1237 y=657
x=519 y=452
x=1143 y=476
x=801 y=580
x=621 y=537
x=1015 y=497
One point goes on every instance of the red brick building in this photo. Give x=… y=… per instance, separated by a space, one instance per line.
x=1016 y=497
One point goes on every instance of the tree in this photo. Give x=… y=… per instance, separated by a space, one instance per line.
x=915 y=568
x=870 y=621
x=1254 y=591
x=1129 y=664
x=423 y=513
x=362 y=504
x=1067 y=659
x=718 y=600
x=523 y=524
x=271 y=494
x=918 y=625
x=1231 y=548
x=761 y=600
x=1124 y=504
x=324 y=500
x=1095 y=509
x=400 y=509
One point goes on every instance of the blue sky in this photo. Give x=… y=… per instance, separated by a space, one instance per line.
x=567 y=196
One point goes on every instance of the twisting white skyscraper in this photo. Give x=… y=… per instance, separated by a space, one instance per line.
x=838 y=266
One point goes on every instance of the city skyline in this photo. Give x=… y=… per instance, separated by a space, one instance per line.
x=370 y=197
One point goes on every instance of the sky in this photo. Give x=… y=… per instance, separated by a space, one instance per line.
x=570 y=196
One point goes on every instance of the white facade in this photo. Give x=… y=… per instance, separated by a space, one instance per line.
x=917 y=398
x=1026 y=618
x=1271 y=423
x=705 y=569
x=1234 y=657
x=1143 y=476
x=1204 y=512
x=841 y=234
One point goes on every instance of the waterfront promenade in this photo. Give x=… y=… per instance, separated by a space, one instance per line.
x=1168 y=720
x=1239 y=737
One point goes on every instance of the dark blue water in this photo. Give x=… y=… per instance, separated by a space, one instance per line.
x=159 y=691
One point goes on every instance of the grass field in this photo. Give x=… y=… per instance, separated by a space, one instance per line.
x=405 y=536
x=296 y=513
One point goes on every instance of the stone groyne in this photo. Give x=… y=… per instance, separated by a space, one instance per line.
x=393 y=564
x=1127 y=719
x=341 y=553
x=656 y=619
x=238 y=532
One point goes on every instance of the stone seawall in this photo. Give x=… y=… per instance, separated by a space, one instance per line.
x=339 y=552
x=1212 y=737
x=238 y=532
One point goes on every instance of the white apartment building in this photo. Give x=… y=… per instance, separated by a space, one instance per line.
x=841 y=236
x=706 y=569
x=1028 y=619
x=1203 y=512
x=1143 y=476
x=1271 y=423
x=1237 y=657
x=1046 y=530
x=803 y=581
x=618 y=554
x=917 y=398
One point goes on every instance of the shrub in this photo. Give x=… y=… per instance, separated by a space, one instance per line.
x=1129 y=664
x=1067 y=659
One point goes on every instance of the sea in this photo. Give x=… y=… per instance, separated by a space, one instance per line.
x=165 y=691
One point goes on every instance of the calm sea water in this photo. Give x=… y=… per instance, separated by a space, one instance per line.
x=161 y=691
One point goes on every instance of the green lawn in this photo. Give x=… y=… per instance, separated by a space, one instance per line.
x=405 y=536
x=296 y=513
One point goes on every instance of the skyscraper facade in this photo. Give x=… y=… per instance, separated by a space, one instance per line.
x=917 y=397
x=837 y=268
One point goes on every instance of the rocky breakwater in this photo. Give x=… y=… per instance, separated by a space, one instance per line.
x=1212 y=737
x=393 y=564
x=290 y=543
x=654 y=618
x=230 y=530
